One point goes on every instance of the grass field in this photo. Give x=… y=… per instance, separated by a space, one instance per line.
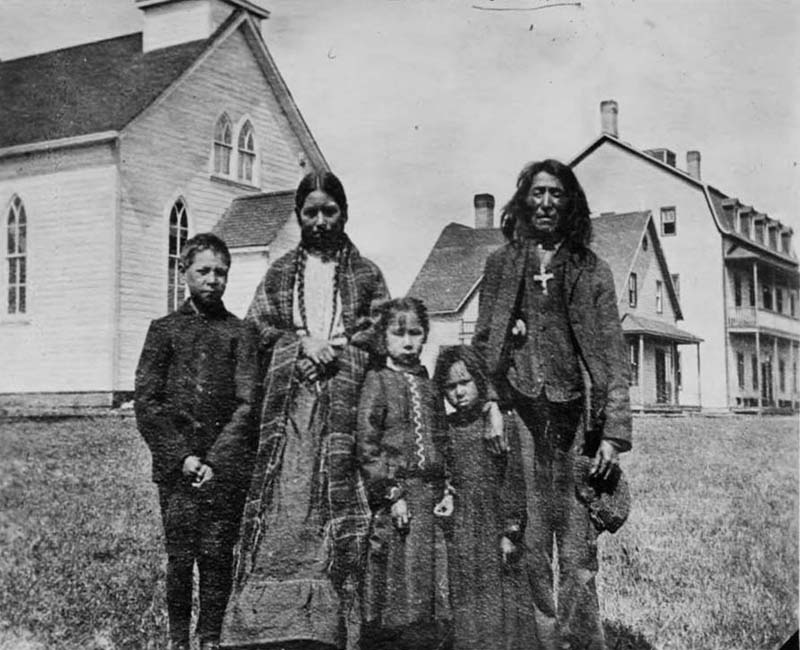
x=707 y=560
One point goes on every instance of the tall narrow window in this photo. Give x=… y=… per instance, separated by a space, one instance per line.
x=178 y=234
x=659 y=297
x=223 y=145
x=632 y=293
x=782 y=375
x=740 y=368
x=779 y=299
x=754 y=371
x=792 y=303
x=633 y=351
x=678 y=370
x=737 y=290
x=760 y=232
x=751 y=293
x=247 y=152
x=794 y=376
x=16 y=243
x=668 y=221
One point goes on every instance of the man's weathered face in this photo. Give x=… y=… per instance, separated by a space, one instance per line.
x=548 y=202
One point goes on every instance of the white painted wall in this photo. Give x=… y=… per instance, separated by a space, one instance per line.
x=65 y=340
x=618 y=181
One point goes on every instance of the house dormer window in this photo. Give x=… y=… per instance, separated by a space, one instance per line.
x=223 y=145
x=178 y=234
x=668 y=221
x=773 y=238
x=246 y=153
x=760 y=232
x=744 y=224
x=16 y=257
x=786 y=242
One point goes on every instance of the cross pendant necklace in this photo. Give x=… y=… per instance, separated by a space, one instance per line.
x=542 y=277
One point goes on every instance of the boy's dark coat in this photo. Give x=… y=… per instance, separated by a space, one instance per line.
x=588 y=292
x=197 y=374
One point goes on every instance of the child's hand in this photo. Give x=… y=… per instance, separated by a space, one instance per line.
x=191 y=466
x=203 y=475
x=507 y=549
x=400 y=515
x=445 y=507
x=494 y=435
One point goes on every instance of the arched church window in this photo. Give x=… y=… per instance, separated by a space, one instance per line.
x=247 y=152
x=178 y=234
x=16 y=257
x=223 y=145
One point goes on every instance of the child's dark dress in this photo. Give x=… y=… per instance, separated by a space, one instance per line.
x=401 y=445
x=492 y=604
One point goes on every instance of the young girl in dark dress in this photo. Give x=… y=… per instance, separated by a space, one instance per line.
x=401 y=450
x=490 y=593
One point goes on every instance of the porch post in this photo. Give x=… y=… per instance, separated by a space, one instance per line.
x=699 y=391
x=774 y=367
x=758 y=370
x=641 y=370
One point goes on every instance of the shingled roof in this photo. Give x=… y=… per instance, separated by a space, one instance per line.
x=255 y=220
x=86 y=89
x=455 y=265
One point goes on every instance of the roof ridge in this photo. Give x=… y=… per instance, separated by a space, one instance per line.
x=70 y=47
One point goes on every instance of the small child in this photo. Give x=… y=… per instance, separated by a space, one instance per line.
x=490 y=593
x=196 y=366
x=401 y=451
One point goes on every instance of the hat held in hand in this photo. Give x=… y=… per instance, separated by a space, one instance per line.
x=608 y=500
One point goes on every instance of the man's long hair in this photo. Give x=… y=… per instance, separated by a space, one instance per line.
x=576 y=229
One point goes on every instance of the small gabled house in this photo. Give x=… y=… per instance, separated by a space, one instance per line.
x=449 y=283
x=258 y=229
x=111 y=155
x=733 y=267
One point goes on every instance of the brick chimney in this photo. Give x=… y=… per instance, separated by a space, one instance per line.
x=693 y=164
x=484 y=210
x=608 y=117
x=171 y=22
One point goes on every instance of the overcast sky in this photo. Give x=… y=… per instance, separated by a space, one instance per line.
x=419 y=104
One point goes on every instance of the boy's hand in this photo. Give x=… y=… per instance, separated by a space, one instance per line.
x=605 y=459
x=445 y=507
x=400 y=515
x=203 y=475
x=191 y=466
x=507 y=549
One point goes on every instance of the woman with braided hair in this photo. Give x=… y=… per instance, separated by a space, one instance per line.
x=306 y=517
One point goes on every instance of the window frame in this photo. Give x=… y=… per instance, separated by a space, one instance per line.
x=247 y=132
x=633 y=291
x=178 y=223
x=633 y=354
x=659 y=297
x=671 y=224
x=222 y=145
x=16 y=258
x=754 y=371
x=740 y=369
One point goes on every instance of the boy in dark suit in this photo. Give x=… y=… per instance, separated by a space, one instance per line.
x=196 y=376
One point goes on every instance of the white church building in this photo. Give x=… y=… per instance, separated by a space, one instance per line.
x=111 y=154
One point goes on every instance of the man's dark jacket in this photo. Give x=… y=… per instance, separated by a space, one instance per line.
x=197 y=374
x=588 y=292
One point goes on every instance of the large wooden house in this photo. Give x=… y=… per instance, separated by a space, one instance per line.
x=733 y=266
x=450 y=283
x=112 y=154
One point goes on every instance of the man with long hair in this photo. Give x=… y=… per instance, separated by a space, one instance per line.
x=549 y=330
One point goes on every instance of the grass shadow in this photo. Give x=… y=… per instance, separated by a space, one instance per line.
x=619 y=637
